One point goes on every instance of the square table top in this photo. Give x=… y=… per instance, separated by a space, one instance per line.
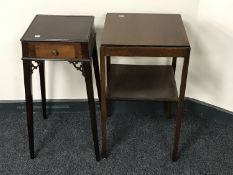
x=135 y=29
x=60 y=28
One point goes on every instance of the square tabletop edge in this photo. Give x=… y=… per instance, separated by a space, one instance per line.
x=184 y=42
x=23 y=39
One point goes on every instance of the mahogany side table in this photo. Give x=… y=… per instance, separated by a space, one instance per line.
x=143 y=35
x=60 y=38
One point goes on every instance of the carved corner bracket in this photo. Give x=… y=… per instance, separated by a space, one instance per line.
x=35 y=65
x=77 y=65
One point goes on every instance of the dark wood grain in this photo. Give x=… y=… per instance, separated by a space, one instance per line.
x=96 y=69
x=42 y=87
x=109 y=103
x=126 y=29
x=167 y=105
x=139 y=82
x=55 y=50
x=180 y=104
x=91 y=102
x=174 y=59
x=141 y=51
x=143 y=35
x=60 y=28
x=62 y=38
x=103 y=102
x=29 y=104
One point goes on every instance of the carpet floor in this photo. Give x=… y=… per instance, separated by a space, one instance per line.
x=138 y=143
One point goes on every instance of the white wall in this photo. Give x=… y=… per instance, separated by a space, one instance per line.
x=211 y=74
x=208 y=24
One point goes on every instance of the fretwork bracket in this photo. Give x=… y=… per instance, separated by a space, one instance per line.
x=77 y=65
x=35 y=65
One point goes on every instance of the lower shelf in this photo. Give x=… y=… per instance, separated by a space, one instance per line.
x=142 y=82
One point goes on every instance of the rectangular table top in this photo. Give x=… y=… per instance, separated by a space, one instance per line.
x=60 y=28
x=135 y=29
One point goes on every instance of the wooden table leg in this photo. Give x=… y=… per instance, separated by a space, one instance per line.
x=168 y=105
x=96 y=70
x=109 y=103
x=180 y=105
x=91 y=102
x=42 y=87
x=103 y=102
x=174 y=59
x=27 y=68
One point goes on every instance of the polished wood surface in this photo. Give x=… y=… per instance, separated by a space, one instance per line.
x=139 y=82
x=143 y=51
x=62 y=38
x=143 y=35
x=48 y=50
x=60 y=28
x=127 y=29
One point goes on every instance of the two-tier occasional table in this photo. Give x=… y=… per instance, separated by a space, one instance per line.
x=60 y=38
x=143 y=35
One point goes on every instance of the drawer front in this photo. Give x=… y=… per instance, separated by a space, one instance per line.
x=56 y=50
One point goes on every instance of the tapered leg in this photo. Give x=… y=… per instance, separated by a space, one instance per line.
x=91 y=102
x=109 y=103
x=27 y=68
x=96 y=70
x=103 y=102
x=42 y=88
x=180 y=105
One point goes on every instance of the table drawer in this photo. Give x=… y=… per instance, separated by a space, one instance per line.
x=55 y=50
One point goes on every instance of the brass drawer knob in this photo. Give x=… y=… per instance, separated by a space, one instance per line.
x=55 y=52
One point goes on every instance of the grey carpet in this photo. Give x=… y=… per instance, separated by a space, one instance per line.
x=138 y=143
